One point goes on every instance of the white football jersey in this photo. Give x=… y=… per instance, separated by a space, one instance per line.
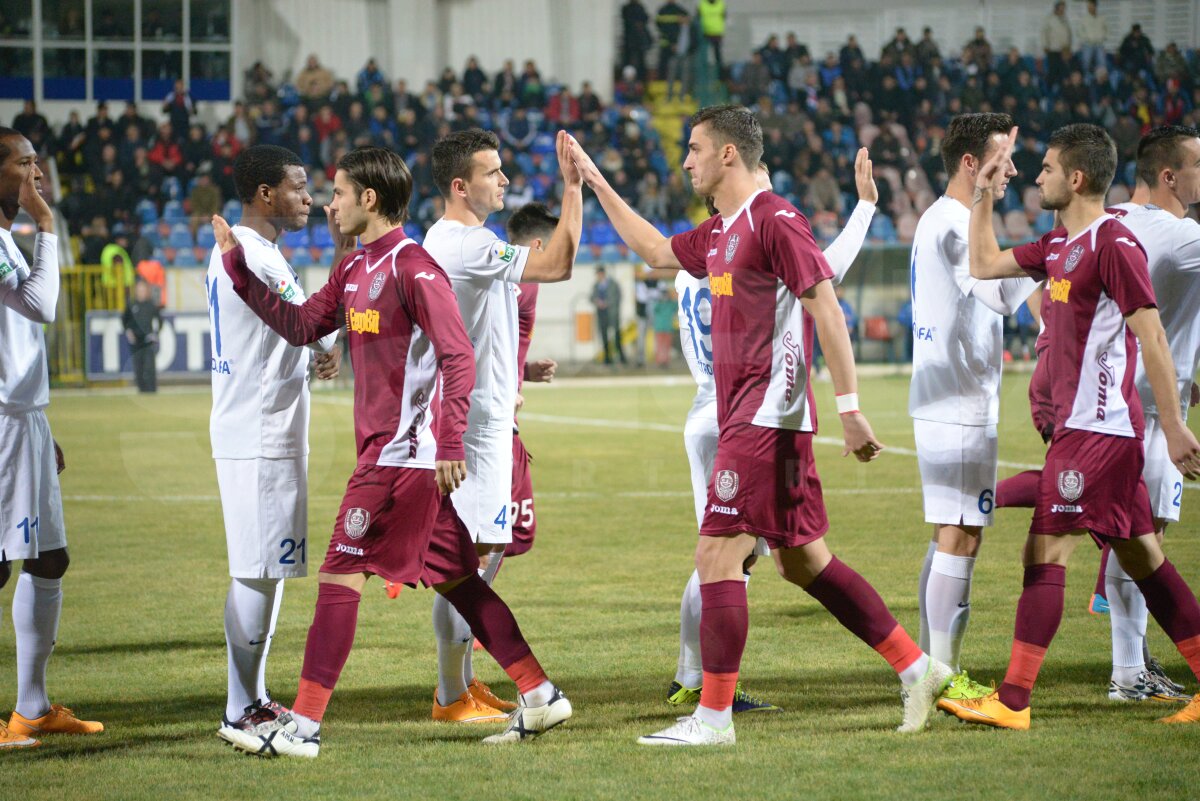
x=259 y=382
x=1172 y=248
x=29 y=298
x=958 y=327
x=695 y=301
x=484 y=271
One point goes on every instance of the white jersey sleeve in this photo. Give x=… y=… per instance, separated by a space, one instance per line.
x=259 y=381
x=843 y=250
x=485 y=256
x=34 y=297
x=24 y=374
x=695 y=329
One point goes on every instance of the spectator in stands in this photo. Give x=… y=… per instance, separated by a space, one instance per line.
x=927 y=49
x=1136 y=55
x=824 y=194
x=404 y=100
x=474 y=80
x=1092 y=32
x=850 y=52
x=1169 y=64
x=370 y=75
x=756 y=78
x=899 y=44
x=635 y=36
x=258 y=82
x=1056 y=44
x=562 y=110
x=977 y=53
x=517 y=131
x=774 y=58
x=712 y=15
x=314 y=82
x=671 y=21
x=531 y=92
x=34 y=127
x=505 y=81
x=798 y=77
x=204 y=200
x=652 y=199
x=165 y=153
x=792 y=50
x=829 y=71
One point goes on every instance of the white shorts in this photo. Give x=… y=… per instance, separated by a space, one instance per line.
x=31 y=513
x=700 y=434
x=265 y=506
x=1163 y=481
x=482 y=500
x=958 y=472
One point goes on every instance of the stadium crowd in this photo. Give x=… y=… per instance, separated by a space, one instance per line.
x=147 y=183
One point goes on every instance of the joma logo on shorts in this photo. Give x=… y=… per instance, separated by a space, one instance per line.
x=1069 y=508
x=363 y=322
x=350 y=549
x=723 y=510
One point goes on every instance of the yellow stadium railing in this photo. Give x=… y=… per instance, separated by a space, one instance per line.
x=84 y=288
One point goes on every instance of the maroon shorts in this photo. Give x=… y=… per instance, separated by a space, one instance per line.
x=521 y=511
x=386 y=527
x=765 y=482
x=1094 y=482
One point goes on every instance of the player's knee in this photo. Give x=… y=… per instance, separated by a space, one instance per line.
x=49 y=564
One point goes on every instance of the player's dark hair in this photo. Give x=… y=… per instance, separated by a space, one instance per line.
x=1160 y=150
x=531 y=221
x=261 y=165
x=5 y=133
x=385 y=172
x=1089 y=149
x=969 y=133
x=453 y=156
x=733 y=125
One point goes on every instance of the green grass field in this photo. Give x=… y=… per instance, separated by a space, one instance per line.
x=141 y=644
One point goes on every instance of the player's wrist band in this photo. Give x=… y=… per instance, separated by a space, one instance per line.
x=848 y=403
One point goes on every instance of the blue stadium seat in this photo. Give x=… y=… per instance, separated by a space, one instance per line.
x=232 y=211
x=525 y=163
x=173 y=212
x=146 y=210
x=301 y=257
x=297 y=239
x=321 y=237
x=496 y=228
x=184 y=257
x=149 y=231
x=180 y=237
x=610 y=253
x=543 y=143
x=414 y=232
x=171 y=187
x=681 y=227
x=882 y=229
x=602 y=233
x=205 y=238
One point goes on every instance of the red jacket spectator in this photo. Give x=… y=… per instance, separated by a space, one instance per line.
x=563 y=109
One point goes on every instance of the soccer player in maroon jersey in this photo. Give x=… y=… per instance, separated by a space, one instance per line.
x=764 y=269
x=414 y=371
x=1099 y=306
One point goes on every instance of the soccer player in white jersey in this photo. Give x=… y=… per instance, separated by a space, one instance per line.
x=259 y=425
x=1168 y=165
x=765 y=271
x=958 y=349
x=31 y=515
x=1099 y=306
x=701 y=433
x=484 y=271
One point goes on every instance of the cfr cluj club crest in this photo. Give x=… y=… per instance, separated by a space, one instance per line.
x=727 y=484
x=357 y=522
x=377 y=285
x=1073 y=258
x=731 y=248
x=1070 y=485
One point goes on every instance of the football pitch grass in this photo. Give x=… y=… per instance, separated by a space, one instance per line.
x=141 y=644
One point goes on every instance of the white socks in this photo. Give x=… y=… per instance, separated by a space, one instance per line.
x=948 y=605
x=922 y=583
x=251 y=609
x=720 y=719
x=453 y=647
x=1127 y=610
x=914 y=672
x=689 y=672
x=539 y=695
x=37 y=603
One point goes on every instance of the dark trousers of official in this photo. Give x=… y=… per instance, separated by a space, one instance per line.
x=610 y=335
x=144 y=369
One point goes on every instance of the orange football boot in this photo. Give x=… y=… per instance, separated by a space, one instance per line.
x=467 y=709
x=59 y=720
x=484 y=695
x=10 y=739
x=988 y=710
x=1189 y=714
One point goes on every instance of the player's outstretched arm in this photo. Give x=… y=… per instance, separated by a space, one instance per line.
x=987 y=260
x=35 y=298
x=642 y=237
x=555 y=262
x=1182 y=445
x=820 y=302
x=843 y=250
x=297 y=324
